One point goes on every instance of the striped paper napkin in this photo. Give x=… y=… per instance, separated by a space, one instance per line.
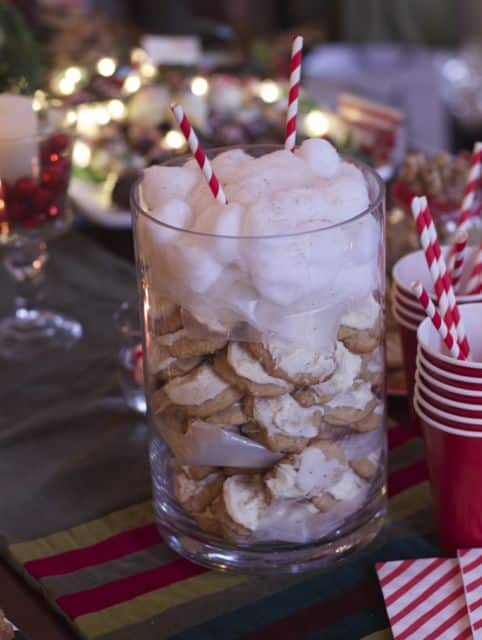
x=425 y=599
x=470 y=561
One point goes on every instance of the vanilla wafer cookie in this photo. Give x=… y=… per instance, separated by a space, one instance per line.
x=241 y=505
x=282 y=424
x=351 y=406
x=164 y=316
x=200 y=393
x=360 y=329
x=195 y=495
x=181 y=345
x=293 y=362
x=238 y=367
x=308 y=474
x=348 y=366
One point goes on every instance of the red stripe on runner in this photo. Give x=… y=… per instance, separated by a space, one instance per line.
x=448 y=575
x=112 y=593
x=476 y=605
x=472 y=565
x=396 y=572
x=430 y=614
x=407 y=477
x=399 y=436
x=465 y=635
x=473 y=585
x=439 y=631
x=112 y=548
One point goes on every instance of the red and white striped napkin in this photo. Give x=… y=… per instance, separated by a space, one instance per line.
x=470 y=561
x=425 y=599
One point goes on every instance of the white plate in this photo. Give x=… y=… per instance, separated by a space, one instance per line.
x=95 y=204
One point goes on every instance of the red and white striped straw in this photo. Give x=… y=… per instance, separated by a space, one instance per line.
x=198 y=153
x=294 y=91
x=436 y=264
x=475 y=280
x=437 y=321
x=473 y=183
x=458 y=258
x=454 y=310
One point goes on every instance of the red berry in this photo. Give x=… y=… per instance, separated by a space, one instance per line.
x=60 y=142
x=53 y=211
x=42 y=199
x=24 y=188
x=17 y=210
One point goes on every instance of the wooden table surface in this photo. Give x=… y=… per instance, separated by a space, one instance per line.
x=22 y=604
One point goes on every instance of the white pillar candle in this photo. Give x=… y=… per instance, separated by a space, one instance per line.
x=18 y=143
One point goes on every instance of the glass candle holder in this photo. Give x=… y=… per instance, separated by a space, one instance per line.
x=34 y=207
x=264 y=374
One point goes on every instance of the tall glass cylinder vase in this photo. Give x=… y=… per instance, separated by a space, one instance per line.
x=264 y=371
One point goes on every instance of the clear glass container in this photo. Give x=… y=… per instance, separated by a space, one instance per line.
x=264 y=371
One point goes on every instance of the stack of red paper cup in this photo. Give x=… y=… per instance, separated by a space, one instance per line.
x=448 y=402
x=409 y=313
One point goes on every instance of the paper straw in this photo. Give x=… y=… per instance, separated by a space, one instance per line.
x=441 y=279
x=437 y=321
x=294 y=91
x=198 y=153
x=471 y=187
x=475 y=279
x=454 y=310
x=458 y=258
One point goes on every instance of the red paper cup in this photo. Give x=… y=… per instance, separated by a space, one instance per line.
x=408 y=314
x=454 y=462
x=445 y=418
x=446 y=377
x=410 y=306
x=413 y=266
x=408 y=339
x=455 y=408
x=434 y=350
x=446 y=391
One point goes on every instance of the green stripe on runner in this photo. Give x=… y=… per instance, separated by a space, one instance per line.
x=84 y=535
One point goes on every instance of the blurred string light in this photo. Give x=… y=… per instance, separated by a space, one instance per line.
x=174 y=140
x=81 y=154
x=70 y=118
x=87 y=124
x=106 y=67
x=138 y=56
x=199 y=86
x=39 y=100
x=102 y=114
x=269 y=91
x=73 y=74
x=65 y=82
x=316 y=123
x=148 y=70
x=132 y=83
x=117 y=109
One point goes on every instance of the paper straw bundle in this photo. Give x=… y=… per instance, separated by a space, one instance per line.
x=447 y=321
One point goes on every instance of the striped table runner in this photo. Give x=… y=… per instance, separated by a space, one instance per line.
x=114 y=578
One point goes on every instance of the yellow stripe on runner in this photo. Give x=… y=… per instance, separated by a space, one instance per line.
x=86 y=534
x=154 y=603
x=384 y=634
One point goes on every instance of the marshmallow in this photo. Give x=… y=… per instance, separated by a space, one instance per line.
x=320 y=156
x=297 y=286
x=363 y=316
x=162 y=183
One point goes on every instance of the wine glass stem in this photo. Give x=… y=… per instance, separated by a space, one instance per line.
x=25 y=262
